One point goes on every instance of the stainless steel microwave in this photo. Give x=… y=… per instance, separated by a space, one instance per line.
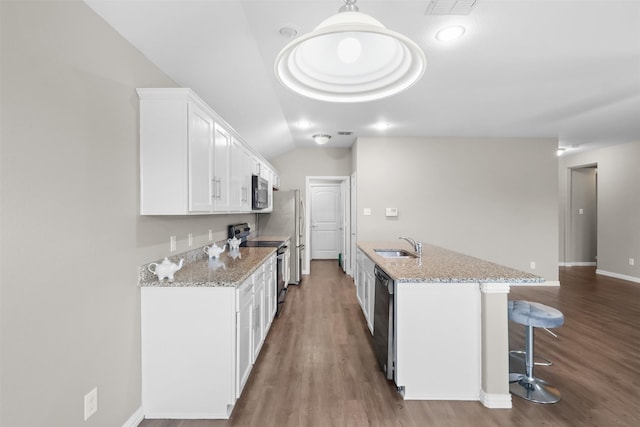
x=260 y=192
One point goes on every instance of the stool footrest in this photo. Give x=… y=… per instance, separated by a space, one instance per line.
x=520 y=355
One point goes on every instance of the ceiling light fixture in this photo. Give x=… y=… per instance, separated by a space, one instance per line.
x=451 y=33
x=350 y=57
x=321 y=138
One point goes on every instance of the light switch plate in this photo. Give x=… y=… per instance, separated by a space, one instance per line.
x=392 y=212
x=366 y=211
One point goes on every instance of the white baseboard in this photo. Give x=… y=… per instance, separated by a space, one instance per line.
x=134 y=419
x=495 y=401
x=547 y=283
x=618 y=276
x=578 y=264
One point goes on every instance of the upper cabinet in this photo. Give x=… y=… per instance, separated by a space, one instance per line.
x=191 y=160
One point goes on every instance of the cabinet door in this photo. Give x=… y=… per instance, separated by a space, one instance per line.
x=239 y=178
x=370 y=299
x=221 y=169
x=244 y=350
x=258 y=330
x=201 y=152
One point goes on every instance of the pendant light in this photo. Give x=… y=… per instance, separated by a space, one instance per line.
x=350 y=57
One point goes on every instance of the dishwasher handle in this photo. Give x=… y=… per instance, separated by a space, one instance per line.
x=384 y=279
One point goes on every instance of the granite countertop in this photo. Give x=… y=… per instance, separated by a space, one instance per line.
x=230 y=269
x=439 y=265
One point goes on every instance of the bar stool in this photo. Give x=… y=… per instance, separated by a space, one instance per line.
x=533 y=315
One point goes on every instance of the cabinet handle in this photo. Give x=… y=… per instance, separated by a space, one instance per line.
x=213 y=183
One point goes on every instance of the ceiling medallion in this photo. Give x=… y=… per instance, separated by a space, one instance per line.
x=350 y=57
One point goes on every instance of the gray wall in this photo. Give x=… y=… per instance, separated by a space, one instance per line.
x=618 y=206
x=71 y=238
x=295 y=165
x=495 y=199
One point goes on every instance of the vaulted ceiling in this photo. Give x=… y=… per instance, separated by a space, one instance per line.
x=529 y=68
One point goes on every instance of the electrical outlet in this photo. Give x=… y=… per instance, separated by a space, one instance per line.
x=580 y=211
x=632 y=261
x=366 y=211
x=533 y=265
x=190 y=239
x=210 y=234
x=90 y=403
x=172 y=243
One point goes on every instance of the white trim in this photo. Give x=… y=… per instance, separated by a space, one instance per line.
x=134 y=419
x=334 y=179
x=494 y=288
x=579 y=264
x=546 y=283
x=618 y=276
x=495 y=400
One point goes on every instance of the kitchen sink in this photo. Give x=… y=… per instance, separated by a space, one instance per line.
x=394 y=253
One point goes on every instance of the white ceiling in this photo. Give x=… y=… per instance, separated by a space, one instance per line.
x=526 y=68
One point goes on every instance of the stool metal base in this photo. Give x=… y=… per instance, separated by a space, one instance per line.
x=535 y=390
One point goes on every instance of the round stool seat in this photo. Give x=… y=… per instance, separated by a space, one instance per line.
x=534 y=314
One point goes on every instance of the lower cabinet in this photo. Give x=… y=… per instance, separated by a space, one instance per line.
x=244 y=331
x=199 y=345
x=365 y=286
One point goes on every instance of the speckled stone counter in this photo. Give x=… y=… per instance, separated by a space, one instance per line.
x=439 y=265
x=228 y=270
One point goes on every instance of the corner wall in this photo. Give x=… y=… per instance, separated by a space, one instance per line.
x=495 y=199
x=618 y=207
x=71 y=238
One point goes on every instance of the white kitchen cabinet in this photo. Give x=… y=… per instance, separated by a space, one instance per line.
x=221 y=169
x=244 y=333
x=239 y=178
x=270 y=291
x=188 y=352
x=365 y=286
x=200 y=160
x=259 y=332
x=189 y=158
x=199 y=345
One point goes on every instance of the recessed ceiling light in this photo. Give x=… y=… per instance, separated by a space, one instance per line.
x=382 y=126
x=304 y=124
x=288 y=31
x=321 y=138
x=450 y=33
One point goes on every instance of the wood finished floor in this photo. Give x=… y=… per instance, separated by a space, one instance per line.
x=317 y=367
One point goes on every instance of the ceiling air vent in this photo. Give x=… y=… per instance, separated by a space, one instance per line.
x=450 y=7
x=345 y=132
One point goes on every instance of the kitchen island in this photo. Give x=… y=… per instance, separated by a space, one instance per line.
x=450 y=324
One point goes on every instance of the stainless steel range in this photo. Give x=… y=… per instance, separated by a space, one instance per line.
x=242 y=232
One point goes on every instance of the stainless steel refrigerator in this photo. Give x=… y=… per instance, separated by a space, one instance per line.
x=287 y=219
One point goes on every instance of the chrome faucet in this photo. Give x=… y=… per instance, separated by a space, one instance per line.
x=416 y=245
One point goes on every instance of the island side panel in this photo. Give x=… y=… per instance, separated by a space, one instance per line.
x=495 y=346
x=438 y=340
x=188 y=352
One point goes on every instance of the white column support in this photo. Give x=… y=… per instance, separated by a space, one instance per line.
x=494 y=392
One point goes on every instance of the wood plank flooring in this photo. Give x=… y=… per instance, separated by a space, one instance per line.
x=317 y=367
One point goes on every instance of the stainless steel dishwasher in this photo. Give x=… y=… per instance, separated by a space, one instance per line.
x=383 y=330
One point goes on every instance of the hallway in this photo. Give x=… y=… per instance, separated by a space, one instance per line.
x=317 y=367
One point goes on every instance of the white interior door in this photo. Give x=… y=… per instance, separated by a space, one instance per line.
x=326 y=221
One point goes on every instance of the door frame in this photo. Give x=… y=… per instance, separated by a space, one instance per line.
x=568 y=253
x=343 y=181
